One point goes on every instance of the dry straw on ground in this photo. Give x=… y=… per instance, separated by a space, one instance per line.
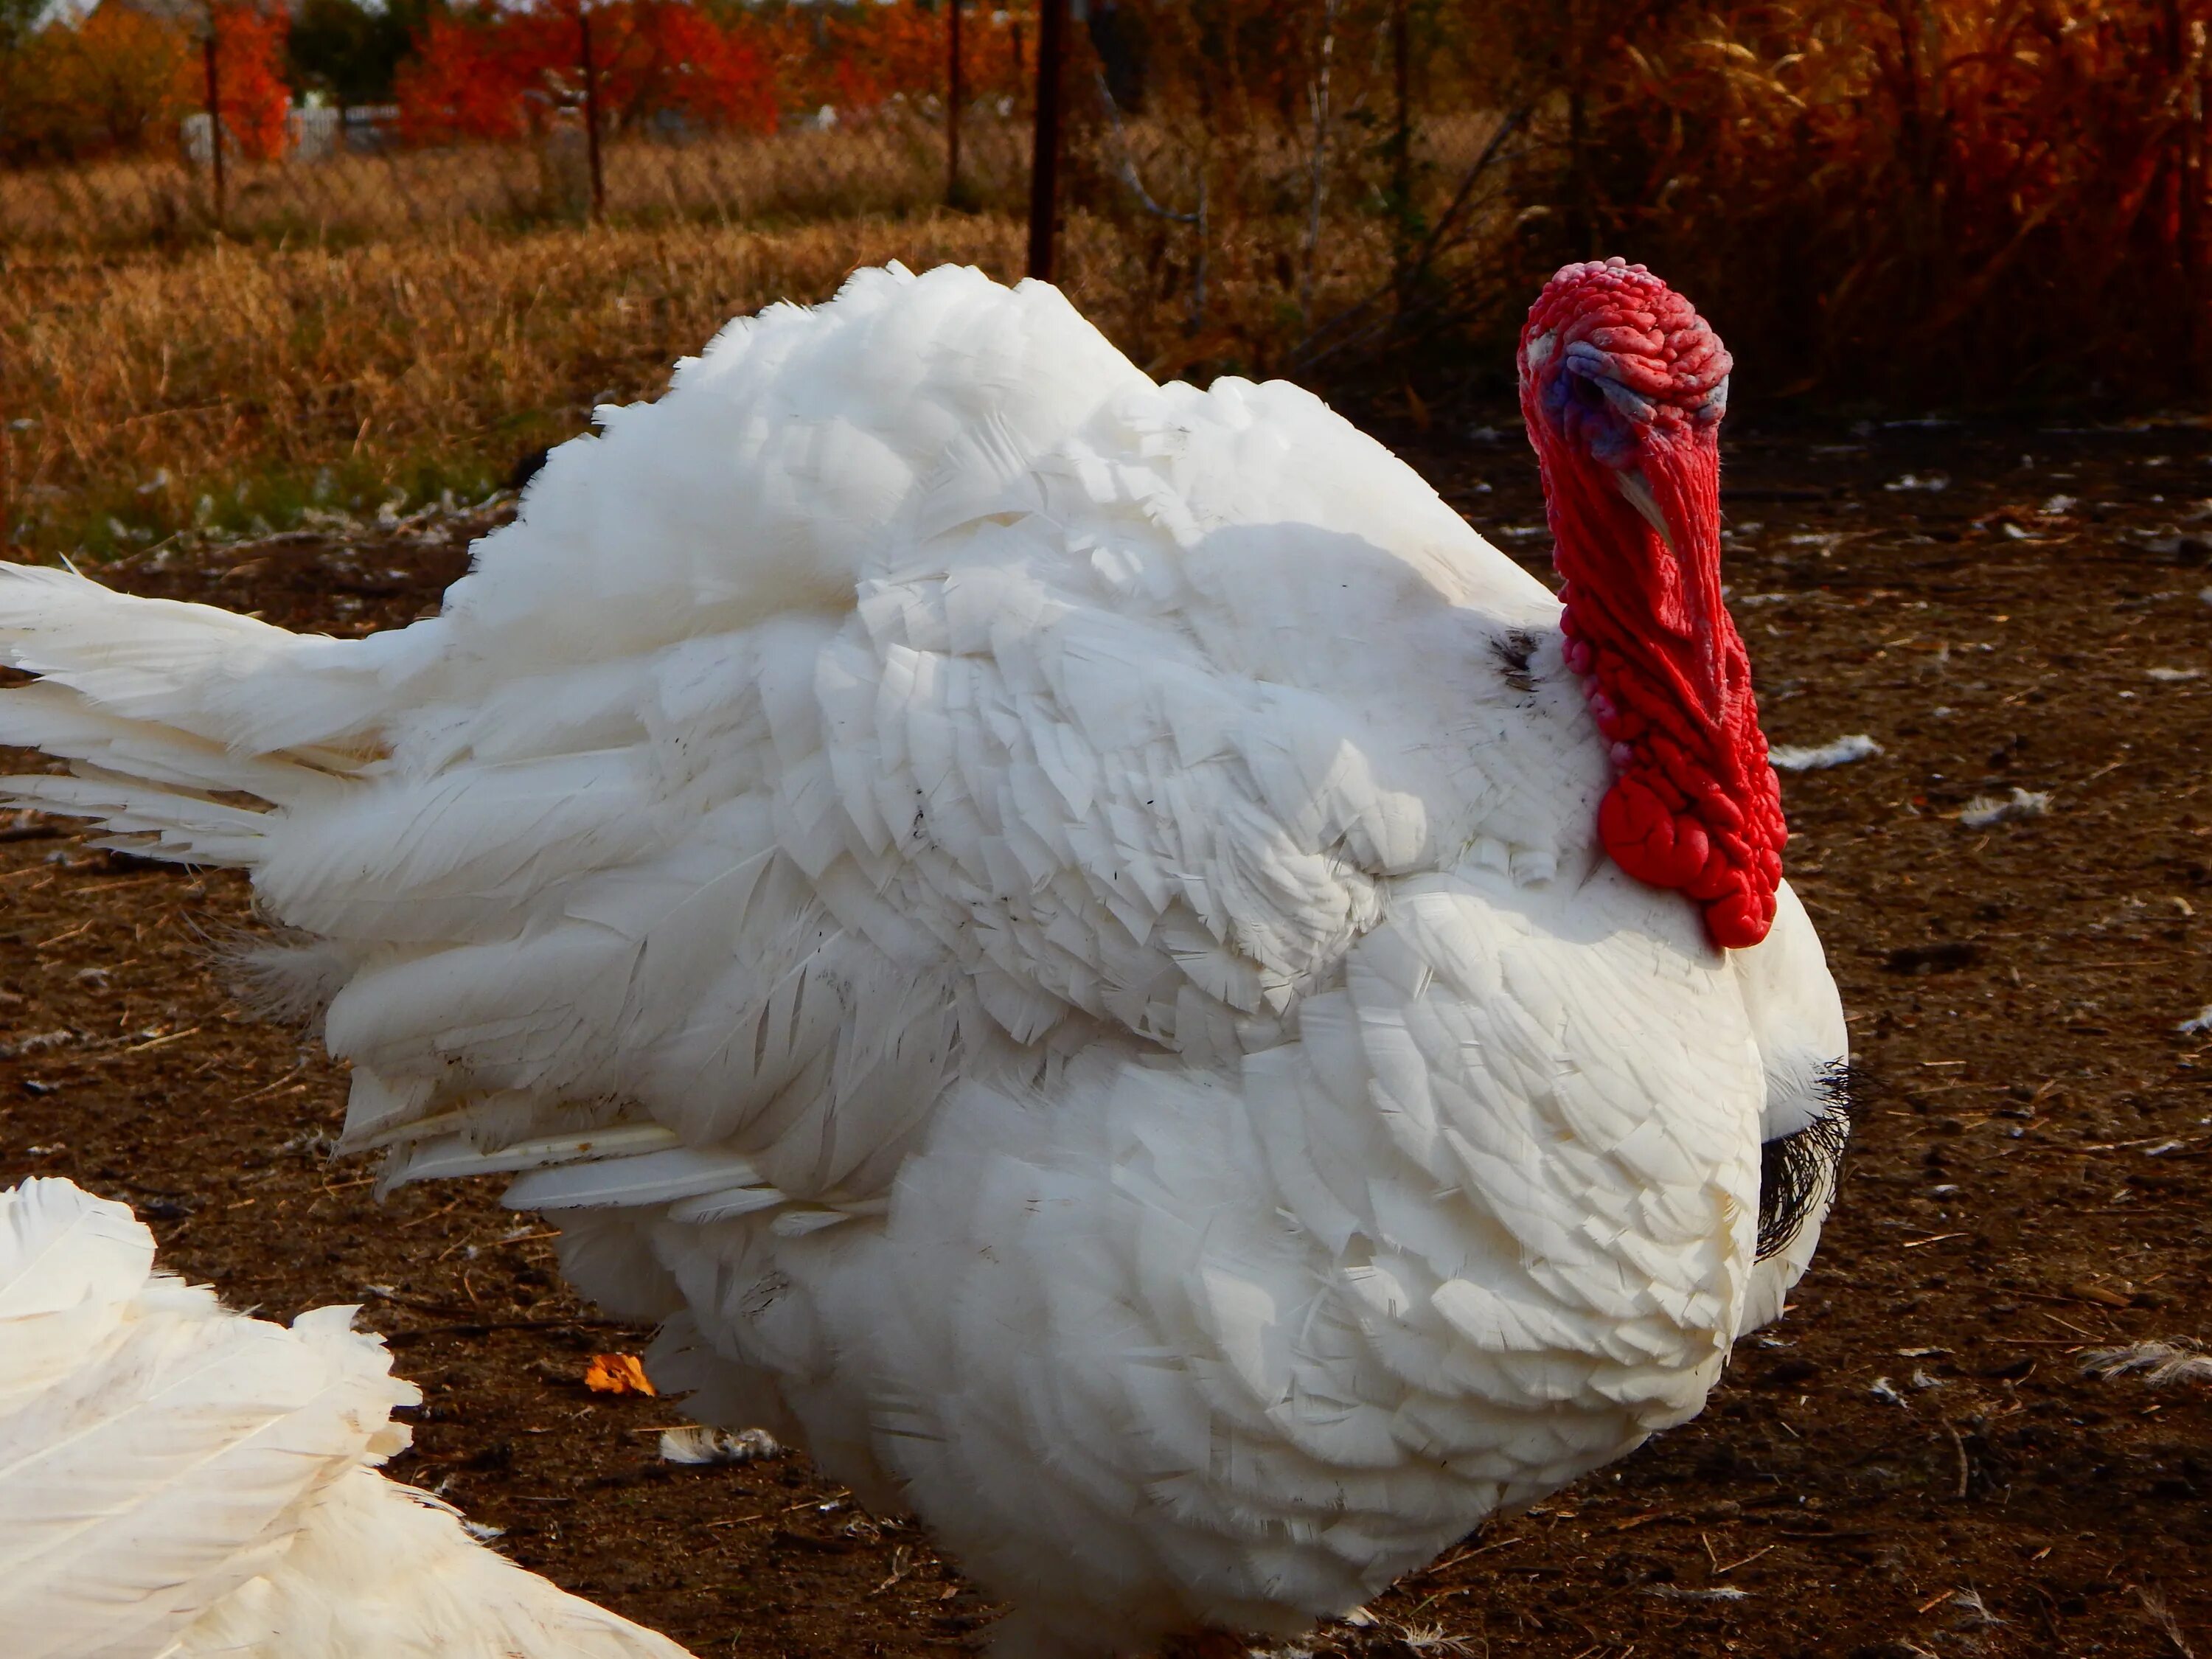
x=891 y=162
x=236 y=385
x=231 y=383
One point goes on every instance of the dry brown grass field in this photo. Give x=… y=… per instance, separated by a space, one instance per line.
x=422 y=333
x=228 y=385
x=891 y=161
x=237 y=389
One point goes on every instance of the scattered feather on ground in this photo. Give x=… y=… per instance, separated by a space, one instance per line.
x=2198 y=1023
x=1839 y=751
x=2154 y=1609
x=1678 y=1593
x=2160 y=1363
x=1978 y=1613
x=2168 y=676
x=698 y=1443
x=1984 y=810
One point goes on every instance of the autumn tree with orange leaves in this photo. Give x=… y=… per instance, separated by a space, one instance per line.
x=119 y=81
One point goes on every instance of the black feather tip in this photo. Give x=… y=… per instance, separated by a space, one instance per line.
x=1792 y=1168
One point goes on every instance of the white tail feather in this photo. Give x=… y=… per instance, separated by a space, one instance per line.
x=166 y=711
x=230 y=679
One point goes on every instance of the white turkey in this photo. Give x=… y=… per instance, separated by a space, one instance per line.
x=1092 y=953
x=179 y=1481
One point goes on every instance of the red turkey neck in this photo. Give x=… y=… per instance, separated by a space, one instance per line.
x=1622 y=387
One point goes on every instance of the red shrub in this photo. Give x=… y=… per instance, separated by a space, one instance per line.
x=1942 y=198
x=250 y=67
x=477 y=74
x=468 y=79
x=494 y=73
x=859 y=58
x=664 y=54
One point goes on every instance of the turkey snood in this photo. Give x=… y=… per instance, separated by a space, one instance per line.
x=1623 y=386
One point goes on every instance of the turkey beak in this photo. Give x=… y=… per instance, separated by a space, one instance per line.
x=1638 y=494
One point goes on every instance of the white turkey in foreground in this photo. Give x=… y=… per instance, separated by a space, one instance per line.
x=1093 y=952
x=177 y=1481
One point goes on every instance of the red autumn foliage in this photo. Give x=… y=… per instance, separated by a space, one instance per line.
x=855 y=58
x=496 y=74
x=1970 y=195
x=466 y=80
x=250 y=66
x=492 y=73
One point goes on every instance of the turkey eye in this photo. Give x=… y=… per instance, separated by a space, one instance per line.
x=1588 y=393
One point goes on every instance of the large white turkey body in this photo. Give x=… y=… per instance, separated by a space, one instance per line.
x=1049 y=925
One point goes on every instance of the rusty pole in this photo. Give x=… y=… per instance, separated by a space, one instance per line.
x=592 y=114
x=1044 y=155
x=214 y=116
x=1401 y=75
x=1401 y=141
x=953 y=106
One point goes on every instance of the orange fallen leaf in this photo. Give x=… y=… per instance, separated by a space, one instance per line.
x=617 y=1373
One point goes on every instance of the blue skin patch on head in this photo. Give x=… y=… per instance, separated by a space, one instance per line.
x=1587 y=403
x=1589 y=408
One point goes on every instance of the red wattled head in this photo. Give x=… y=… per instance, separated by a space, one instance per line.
x=1623 y=386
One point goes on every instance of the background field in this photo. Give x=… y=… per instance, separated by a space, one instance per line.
x=235 y=384
x=1911 y=1464
x=1995 y=203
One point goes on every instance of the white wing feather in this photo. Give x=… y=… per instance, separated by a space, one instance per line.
x=177 y=1480
x=182 y=1481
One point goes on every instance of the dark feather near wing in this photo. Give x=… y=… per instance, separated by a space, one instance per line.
x=1514 y=649
x=1790 y=1169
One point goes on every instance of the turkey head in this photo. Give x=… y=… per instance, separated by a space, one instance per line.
x=1623 y=386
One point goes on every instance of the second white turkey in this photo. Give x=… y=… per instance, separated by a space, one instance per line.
x=181 y=1481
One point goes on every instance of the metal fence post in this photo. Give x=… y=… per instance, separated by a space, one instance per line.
x=1402 y=141
x=1401 y=75
x=214 y=115
x=953 y=106
x=2184 y=65
x=592 y=114
x=1044 y=155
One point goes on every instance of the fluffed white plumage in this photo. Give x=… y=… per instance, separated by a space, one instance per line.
x=179 y=1481
x=1048 y=926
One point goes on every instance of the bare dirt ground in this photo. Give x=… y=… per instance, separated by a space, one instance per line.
x=1912 y=1463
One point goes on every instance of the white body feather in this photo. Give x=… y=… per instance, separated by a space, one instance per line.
x=1049 y=925
x=179 y=1481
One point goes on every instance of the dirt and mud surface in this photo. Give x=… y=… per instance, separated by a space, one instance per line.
x=1913 y=1462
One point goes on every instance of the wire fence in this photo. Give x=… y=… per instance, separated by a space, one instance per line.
x=1291 y=173
x=560 y=141
x=245 y=308
x=1930 y=197
x=349 y=176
